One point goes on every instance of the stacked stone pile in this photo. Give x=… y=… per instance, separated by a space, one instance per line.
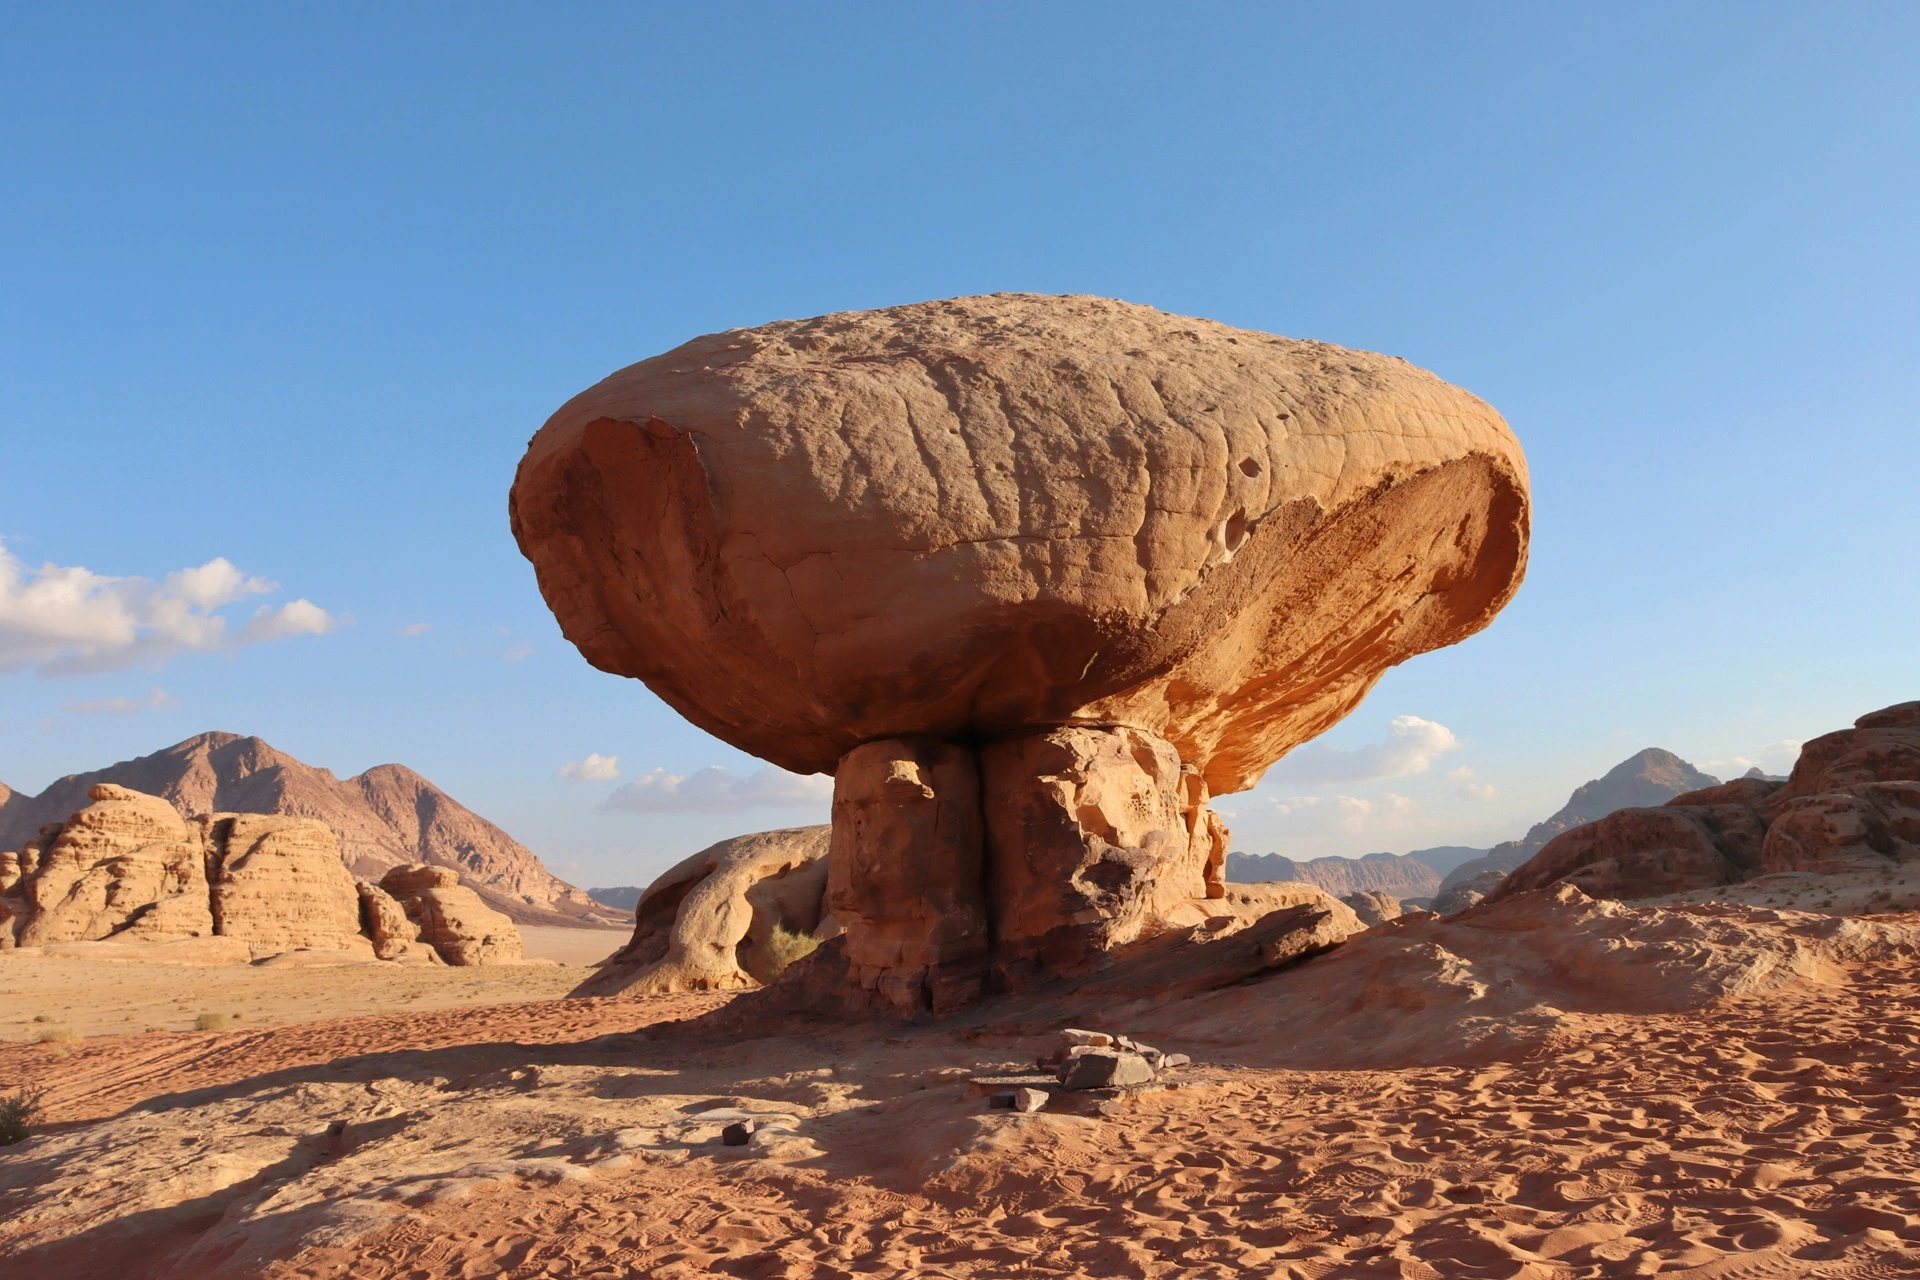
x=1096 y=1065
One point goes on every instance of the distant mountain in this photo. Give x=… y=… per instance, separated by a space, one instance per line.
x=1644 y=780
x=384 y=818
x=1445 y=857
x=621 y=897
x=1399 y=875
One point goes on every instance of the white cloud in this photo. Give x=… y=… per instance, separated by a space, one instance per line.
x=1352 y=814
x=1411 y=747
x=595 y=768
x=295 y=618
x=158 y=699
x=718 y=789
x=416 y=628
x=1773 y=758
x=518 y=652
x=64 y=620
x=1468 y=787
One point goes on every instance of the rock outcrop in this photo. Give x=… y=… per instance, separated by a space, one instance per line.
x=1852 y=802
x=388 y=816
x=709 y=922
x=394 y=934
x=451 y=917
x=1123 y=559
x=1373 y=907
x=127 y=868
x=278 y=884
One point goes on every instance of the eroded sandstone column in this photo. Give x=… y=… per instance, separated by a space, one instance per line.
x=1088 y=836
x=905 y=874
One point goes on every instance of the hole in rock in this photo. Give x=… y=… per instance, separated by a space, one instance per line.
x=1249 y=467
x=1236 y=531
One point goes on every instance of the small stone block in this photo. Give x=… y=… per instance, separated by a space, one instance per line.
x=1030 y=1099
x=1175 y=1060
x=1105 y=1069
x=1092 y=1039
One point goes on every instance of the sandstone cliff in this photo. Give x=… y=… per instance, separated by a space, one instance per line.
x=127 y=868
x=388 y=816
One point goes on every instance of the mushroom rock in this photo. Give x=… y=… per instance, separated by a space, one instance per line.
x=995 y=521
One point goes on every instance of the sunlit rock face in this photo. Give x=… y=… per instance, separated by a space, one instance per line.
x=982 y=520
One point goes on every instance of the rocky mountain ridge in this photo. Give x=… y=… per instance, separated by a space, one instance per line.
x=1399 y=875
x=385 y=817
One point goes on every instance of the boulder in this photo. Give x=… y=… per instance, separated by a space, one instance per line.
x=128 y=869
x=278 y=884
x=1128 y=559
x=707 y=924
x=1373 y=907
x=126 y=866
x=983 y=515
x=451 y=917
x=1104 y=1069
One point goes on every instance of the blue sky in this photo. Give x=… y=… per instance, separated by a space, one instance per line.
x=289 y=287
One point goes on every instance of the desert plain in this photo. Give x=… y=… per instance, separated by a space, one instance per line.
x=1705 y=1089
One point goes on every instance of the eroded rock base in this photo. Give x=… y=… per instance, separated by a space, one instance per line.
x=956 y=871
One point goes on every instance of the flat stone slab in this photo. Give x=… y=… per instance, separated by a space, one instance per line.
x=985 y=1086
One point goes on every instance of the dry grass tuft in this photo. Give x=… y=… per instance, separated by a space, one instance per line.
x=784 y=946
x=17 y=1112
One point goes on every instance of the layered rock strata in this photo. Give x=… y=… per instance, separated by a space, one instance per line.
x=128 y=868
x=1851 y=803
x=1096 y=561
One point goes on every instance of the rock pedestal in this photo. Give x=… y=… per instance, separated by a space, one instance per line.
x=906 y=878
x=954 y=869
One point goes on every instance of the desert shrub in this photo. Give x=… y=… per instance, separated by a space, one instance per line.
x=17 y=1113
x=784 y=946
x=210 y=1022
x=57 y=1035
